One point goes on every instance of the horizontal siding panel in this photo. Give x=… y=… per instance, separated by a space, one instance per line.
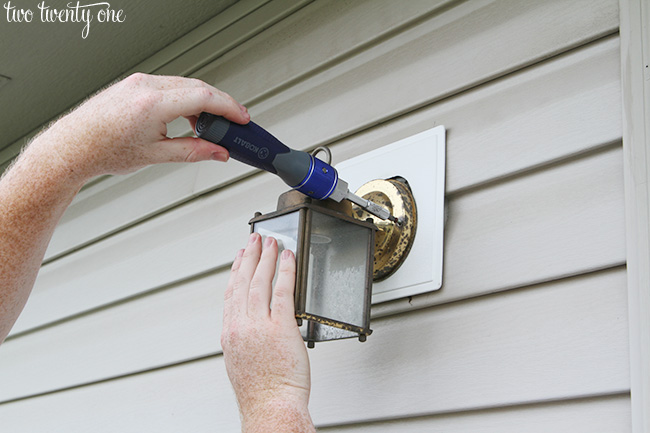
x=528 y=345
x=466 y=46
x=231 y=36
x=603 y=415
x=558 y=108
x=117 y=202
x=546 y=113
x=553 y=223
x=294 y=48
x=560 y=222
x=463 y=47
x=114 y=202
x=194 y=397
x=173 y=325
x=563 y=108
x=555 y=341
x=554 y=233
x=205 y=31
x=484 y=38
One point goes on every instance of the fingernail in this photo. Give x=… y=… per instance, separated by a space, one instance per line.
x=220 y=156
x=252 y=238
x=268 y=241
x=286 y=254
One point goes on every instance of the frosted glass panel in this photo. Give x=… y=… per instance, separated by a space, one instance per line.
x=283 y=228
x=337 y=269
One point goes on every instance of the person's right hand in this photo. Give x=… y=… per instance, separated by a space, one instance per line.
x=264 y=353
x=124 y=127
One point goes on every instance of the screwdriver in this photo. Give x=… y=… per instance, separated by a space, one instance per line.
x=253 y=145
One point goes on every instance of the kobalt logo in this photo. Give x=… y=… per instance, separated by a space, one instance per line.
x=246 y=144
x=262 y=153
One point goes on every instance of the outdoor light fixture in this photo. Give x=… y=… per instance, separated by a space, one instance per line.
x=339 y=250
x=334 y=259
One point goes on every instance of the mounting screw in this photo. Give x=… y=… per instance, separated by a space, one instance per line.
x=362 y=337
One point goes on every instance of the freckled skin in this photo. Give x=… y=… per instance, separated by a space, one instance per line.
x=265 y=356
x=120 y=130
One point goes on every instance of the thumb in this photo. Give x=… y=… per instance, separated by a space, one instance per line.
x=189 y=149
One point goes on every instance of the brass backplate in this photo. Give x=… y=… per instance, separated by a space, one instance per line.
x=392 y=241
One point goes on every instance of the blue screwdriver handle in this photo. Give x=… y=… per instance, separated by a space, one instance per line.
x=253 y=145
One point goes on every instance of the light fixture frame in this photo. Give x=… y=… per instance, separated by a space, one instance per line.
x=293 y=201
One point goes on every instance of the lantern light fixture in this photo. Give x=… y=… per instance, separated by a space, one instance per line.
x=339 y=250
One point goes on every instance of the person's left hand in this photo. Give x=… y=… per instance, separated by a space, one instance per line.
x=264 y=353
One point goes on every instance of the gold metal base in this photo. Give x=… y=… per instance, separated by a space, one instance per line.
x=392 y=241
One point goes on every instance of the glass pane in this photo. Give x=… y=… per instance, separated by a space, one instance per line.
x=283 y=228
x=337 y=269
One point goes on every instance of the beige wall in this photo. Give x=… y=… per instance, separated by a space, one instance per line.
x=528 y=333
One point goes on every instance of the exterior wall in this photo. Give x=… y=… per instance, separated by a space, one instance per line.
x=530 y=327
x=635 y=80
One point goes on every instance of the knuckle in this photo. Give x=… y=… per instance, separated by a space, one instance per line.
x=195 y=82
x=205 y=93
x=251 y=254
x=193 y=156
x=233 y=335
x=228 y=337
x=145 y=101
x=287 y=272
x=136 y=78
x=256 y=283
x=279 y=294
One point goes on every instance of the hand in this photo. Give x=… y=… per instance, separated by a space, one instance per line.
x=119 y=130
x=123 y=128
x=265 y=355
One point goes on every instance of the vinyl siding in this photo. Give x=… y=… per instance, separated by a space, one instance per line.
x=530 y=326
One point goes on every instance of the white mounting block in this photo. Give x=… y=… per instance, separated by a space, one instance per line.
x=420 y=159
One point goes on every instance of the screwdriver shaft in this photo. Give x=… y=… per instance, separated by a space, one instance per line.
x=371 y=207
